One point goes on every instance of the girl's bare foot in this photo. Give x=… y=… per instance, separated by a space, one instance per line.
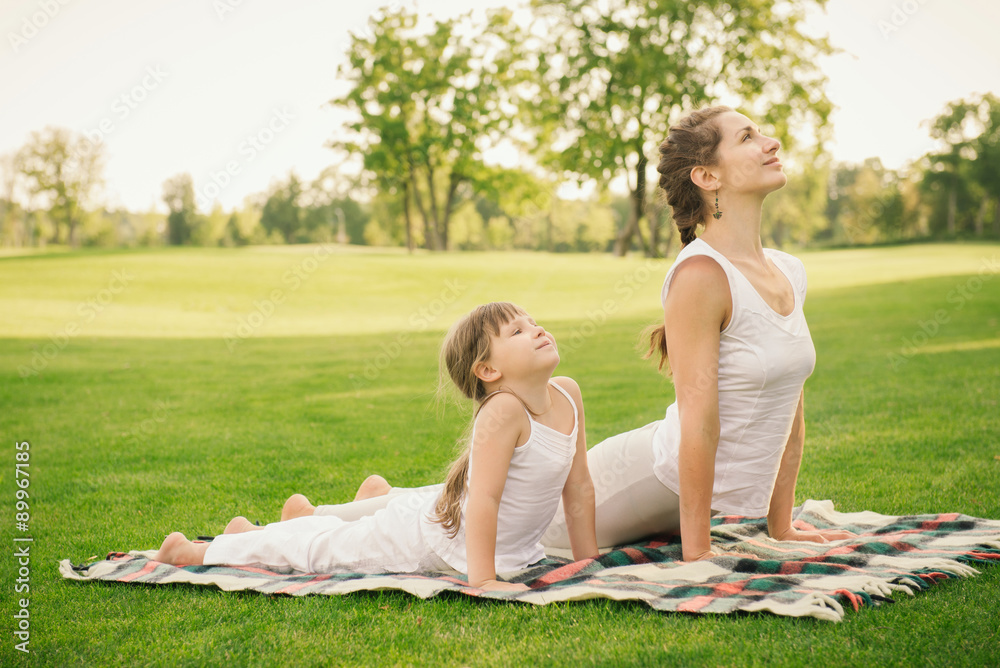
x=178 y=550
x=374 y=485
x=296 y=506
x=241 y=525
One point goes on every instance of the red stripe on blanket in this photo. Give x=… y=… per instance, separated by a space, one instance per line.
x=931 y=525
x=856 y=601
x=294 y=587
x=695 y=604
x=254 y=569
x=569 y=570
x=729 y=588
x=145 y=570
x=791 y=567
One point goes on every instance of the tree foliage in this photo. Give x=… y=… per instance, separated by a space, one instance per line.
x=613 y=74
x=962 y=179
x=63 y=170
x=426 y=105
x=178 y=195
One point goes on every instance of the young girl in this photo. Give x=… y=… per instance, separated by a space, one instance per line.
x=527 y=449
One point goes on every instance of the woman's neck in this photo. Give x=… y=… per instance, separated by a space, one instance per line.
x=737 y=233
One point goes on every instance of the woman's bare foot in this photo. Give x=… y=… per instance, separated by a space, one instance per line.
x=374 y=485
x=241 y=525
x=178 y=550
x=296 y=506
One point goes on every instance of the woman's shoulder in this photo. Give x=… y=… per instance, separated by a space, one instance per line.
x=698 y=275
x=791 y=265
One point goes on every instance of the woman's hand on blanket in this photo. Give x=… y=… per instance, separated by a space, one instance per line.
x=819 y=536
x=497 y=585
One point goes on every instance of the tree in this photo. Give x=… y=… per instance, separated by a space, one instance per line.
x=967 y=168
x=64 y=170
x=426 y=106
x=282 y=212
x=14 y=220
x=330 y=211
x=797 y=212
x=612 y=74
x=866 y=203
x=178 y=195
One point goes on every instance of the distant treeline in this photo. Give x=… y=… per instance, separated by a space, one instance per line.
x=583 y=91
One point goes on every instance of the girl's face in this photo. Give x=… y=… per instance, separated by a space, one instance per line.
x=747 y=160
x=523 y=348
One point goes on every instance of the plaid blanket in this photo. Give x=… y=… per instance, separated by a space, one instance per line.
x=754 y=573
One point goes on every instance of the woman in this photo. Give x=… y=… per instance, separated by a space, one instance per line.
x=739 y=353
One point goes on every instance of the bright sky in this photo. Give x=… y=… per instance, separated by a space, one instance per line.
x=240 y=86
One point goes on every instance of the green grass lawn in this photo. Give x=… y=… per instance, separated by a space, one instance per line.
x=171 y=389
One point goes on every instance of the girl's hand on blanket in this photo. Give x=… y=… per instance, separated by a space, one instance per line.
x=497 y=585
x=821 y=536
x=836 y=534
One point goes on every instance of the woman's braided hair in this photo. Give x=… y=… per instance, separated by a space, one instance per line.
x=691 y=142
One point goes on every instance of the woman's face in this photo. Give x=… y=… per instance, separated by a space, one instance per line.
x=748 y=160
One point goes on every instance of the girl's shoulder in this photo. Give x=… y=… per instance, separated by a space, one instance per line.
x=502 y=416
x=568 y=384
x=572 y=388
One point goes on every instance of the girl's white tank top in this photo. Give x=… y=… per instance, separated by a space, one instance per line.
x=531 y=494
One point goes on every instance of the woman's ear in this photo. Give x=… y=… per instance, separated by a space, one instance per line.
x=486 y=373
x=704 y=178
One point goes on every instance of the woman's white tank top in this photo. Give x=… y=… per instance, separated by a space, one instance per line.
x=535 y=480
x=764 y=360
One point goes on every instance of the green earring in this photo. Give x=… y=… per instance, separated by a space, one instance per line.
x=717 y=214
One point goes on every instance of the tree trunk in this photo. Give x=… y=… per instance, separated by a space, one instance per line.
x=406 y=217
x=418 y=200
x=952 y=206
x=981 y=216
x=435 y=215
x=996 y=218
x=654 y=236
x=453 y=182
x=638 y=196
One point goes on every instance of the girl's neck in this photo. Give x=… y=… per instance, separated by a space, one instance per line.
x=535 y=395
x=737 y=233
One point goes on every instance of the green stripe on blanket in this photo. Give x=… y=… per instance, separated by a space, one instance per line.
x=753 y=573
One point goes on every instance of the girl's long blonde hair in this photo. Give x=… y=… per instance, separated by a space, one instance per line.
x=466 y=345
